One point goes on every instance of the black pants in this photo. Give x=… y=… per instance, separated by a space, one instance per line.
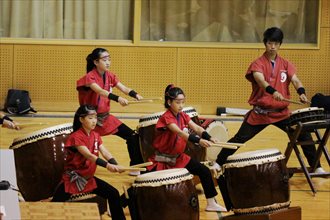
x=247 y=131
x=133 y=144
x=205 y=176
x=104 y=190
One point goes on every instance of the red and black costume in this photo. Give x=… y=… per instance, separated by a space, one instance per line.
x=78 y=176
x=170 y=146
x=107 y=123
x=266 y=110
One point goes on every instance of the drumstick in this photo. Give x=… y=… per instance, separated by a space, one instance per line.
x=228 y=145
x=224 y=146
x=153 y=98
x=132 y=169
x=140 y=101
x=231 y=144
x=293 y=102
x=22 y=125
x=142 y=165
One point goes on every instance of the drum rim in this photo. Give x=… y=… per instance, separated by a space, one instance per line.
x=49 y=132
x=162 y=177
x=81 y=196
x=147 y=120
x=260 y=152
x=306 y=110
x=264 y=156
x=216 y=122
x=263 y=209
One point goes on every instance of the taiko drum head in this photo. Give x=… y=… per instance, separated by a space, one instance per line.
x=218 y=130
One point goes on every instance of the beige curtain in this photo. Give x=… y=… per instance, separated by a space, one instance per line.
x=31 y=19
x=162 y=20
x=228 y=20
x=68 y=19
x=103 y=19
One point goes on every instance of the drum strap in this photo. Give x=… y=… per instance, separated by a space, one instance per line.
x=263 y=111
x=166 y=158
x=79 y=180
x=101 y=117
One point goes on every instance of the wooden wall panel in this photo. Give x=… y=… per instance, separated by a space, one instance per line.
x=49 y=73
x=214 y=77
x=143 y=68
x=325 y=13
x=147 y=70
x=6 y=69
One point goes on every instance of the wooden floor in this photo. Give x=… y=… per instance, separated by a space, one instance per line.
x=313 y=207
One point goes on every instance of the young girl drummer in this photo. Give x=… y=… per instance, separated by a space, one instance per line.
x=170 y=142
x=82 y=149
x=96 y=88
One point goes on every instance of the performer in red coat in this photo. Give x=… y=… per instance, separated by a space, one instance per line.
x=96 y=89
x=270 y=76
x=82 y=149
x=170 y=141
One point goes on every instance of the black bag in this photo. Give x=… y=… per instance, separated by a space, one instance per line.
x=322 y=101
x=18 y=102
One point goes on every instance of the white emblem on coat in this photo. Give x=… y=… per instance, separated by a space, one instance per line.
x=283 y=76
x=96 y=147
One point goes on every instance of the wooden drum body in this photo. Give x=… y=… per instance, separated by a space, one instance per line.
x=166 y=194
x=257 y=181
x=146 y=130
x=39 y=161
x=304 y=115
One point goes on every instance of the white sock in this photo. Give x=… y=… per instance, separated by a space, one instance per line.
x=212 y=205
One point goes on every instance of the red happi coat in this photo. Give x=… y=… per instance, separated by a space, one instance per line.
x=88 y=96
x=279 y=78
x=167 y=142
x=75 y=161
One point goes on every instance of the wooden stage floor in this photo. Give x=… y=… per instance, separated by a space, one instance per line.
x=313 y=207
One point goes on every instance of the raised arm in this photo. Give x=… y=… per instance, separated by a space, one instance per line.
x=96 y=88
x=260 y=79
x=102 y=92
x=128 y=91
x=91 y=157
x=189 y=137
x=205 y=137
x=297 y=84
x=107 y=155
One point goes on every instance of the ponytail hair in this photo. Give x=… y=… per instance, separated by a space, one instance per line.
x=171 y=93
x=95 y=55
x=82 y=111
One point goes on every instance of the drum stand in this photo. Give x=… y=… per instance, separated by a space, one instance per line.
x=311 y=127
